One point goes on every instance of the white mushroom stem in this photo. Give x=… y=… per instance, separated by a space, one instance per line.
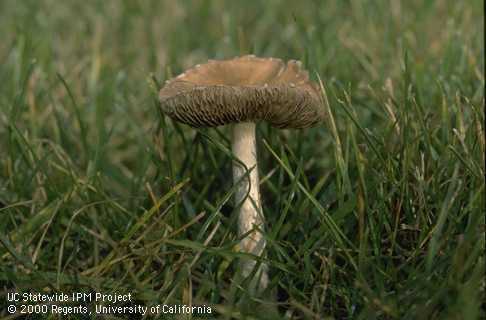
x=247 y=197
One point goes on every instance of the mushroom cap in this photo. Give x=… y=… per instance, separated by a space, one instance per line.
x=243 y=89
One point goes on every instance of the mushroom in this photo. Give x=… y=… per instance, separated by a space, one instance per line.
x=242 y=91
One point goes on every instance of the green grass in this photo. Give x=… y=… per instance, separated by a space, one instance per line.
x=376 y=214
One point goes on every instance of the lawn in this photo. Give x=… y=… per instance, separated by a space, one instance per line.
x=376 y=213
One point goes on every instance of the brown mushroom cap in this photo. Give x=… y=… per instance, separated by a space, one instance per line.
x=243 y=89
